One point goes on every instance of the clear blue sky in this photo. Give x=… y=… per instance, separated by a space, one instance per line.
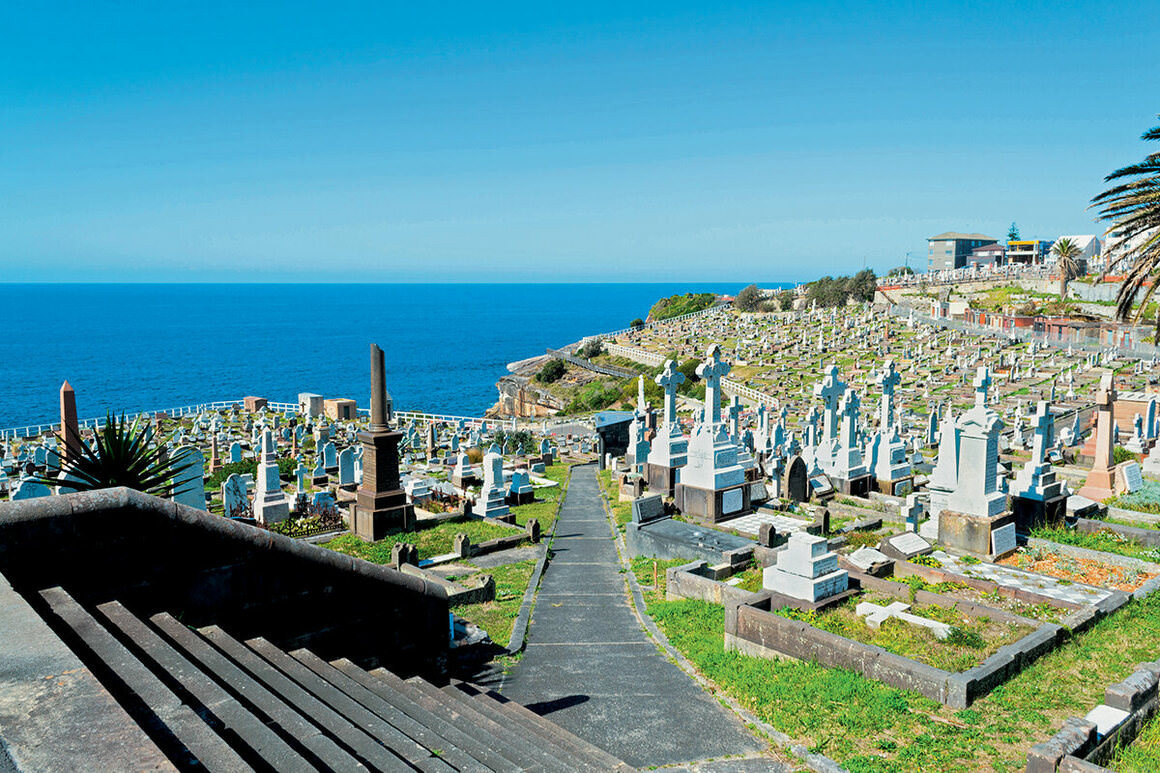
x=424 y=142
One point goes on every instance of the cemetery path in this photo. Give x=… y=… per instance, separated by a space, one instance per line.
x=590 y=667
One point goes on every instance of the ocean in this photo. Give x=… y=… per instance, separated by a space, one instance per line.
x=134 y=347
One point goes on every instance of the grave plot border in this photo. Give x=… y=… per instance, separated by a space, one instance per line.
x=1145 y=536
x=754 y=630
x=1081 y=617
x=1115 y=559
x=1078 y=746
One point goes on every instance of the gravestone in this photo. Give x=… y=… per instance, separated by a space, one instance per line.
x=795 y=480
x=806 y=570
x=346 y=468
x=492 y=500
x=235 y=503
x=270 y=504
x=1038 y=498
x=189 y=484
x=1131 y=476
x=647 y=509
x=905 y=546
x=669 y=449
x=235 y=452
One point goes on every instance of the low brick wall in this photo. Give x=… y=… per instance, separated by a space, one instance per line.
x=695 y=580
x=753 y=629
x=1079 y=746
x=1140 y=534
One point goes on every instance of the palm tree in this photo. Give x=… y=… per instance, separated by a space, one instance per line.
x=1132 y=207
x=1066 y=252
x=122 y=454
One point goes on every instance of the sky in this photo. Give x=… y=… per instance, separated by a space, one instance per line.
x=422 y=142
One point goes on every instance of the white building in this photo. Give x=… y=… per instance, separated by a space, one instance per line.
x=1089 y=249
x=1116 y=248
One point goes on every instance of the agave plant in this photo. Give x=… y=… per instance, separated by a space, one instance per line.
x=1066 y=253
x=122 y=454
x=1132 y=207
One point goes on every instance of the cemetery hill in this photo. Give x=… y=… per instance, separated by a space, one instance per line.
x=864 y=524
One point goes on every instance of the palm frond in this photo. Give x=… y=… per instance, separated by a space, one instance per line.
x=121 y=454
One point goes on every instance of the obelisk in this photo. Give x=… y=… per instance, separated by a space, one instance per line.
x=70 y=434
x=380 y=503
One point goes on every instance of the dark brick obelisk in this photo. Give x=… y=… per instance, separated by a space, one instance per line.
x=380 y=505
x=70 y=433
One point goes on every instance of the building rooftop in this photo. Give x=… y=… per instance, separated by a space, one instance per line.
x=956 y=235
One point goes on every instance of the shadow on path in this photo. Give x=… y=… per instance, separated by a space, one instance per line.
x=590 y=664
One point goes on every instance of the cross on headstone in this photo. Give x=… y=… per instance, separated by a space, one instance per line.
x=830 y=389
x=712 y=370
x=887 y=380
x=981 y=382
x=735 y=416
x=669 y=379
x=1044 y=427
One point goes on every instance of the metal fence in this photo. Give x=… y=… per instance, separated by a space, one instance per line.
x=36 y=430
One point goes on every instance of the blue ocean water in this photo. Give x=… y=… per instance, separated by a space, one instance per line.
x=138 y=347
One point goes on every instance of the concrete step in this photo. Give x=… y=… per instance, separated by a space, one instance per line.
x=413 y=752
x=253 y=733
x=171 y=723
x=536 y=756
x=510 y=745
x=373 y=754
x=282 y=716
x=423 y=734
x=589 y=755
x=474 y=740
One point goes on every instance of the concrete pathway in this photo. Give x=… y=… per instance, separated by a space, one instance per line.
x=589 y=666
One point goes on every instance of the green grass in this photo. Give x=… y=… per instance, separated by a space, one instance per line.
x=621 y=511
x=1146 y=500
x=977 y=637
x=431 y=542
x=544 y=509
x=642 y=567
x=1105 y=540
x=497 y=617
x=868 y=726
x=1142 y=755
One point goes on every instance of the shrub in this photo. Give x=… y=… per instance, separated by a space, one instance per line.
x=591 y=348
x=748 y=299
x=552 y=371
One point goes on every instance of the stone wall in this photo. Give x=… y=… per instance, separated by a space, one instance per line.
x=155 y=555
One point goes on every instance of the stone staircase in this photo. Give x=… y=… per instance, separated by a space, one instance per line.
x=212 y=702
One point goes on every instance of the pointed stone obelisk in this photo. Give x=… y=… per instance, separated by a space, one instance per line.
x=70 y=434
x=380 y=505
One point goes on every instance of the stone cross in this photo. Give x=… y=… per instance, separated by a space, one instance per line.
x=830 y=389
x=982 y=383
x=711 y=370
x=640 y=407
x=851 y=403
x=1044 y=427
x=735 y=417
x=876 y=615
x=669 y=379
x=887 y=380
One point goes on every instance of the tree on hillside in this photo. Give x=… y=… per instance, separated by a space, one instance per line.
x=552 y=371
x=863 y=285
x=1013 y=232
x=748 y=299
x=901 y=271
x=1132 y=209
x=785 y=299
x=1066 y=253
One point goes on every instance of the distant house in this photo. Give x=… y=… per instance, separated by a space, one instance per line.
x=1028 y=252
x=987 y=256
x=950 y=250
x=1089 y=246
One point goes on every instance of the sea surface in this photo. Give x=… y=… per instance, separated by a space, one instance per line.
x=134 y=347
